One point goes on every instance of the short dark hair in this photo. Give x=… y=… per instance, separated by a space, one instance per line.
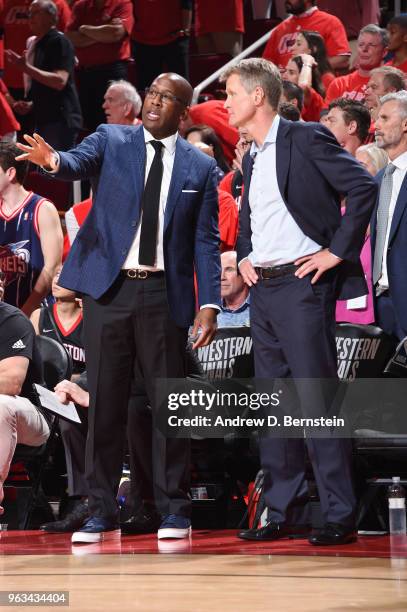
x=400 y=20
x=8 y=154
x=289 y=111
x=293 y=92
x=354 y=111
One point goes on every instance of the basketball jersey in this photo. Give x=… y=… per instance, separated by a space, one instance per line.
x=50 y=325
x=21 y=257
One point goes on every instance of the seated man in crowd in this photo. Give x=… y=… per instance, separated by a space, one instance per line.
x=397 y=29
x=20 y=420
x=383 y=80
x=235 y=294
x=122 y=103
x=30 y=235
x=371 y=50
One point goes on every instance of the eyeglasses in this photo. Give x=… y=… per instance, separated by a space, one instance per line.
x=166 y=98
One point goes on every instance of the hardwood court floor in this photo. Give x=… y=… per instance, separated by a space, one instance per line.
x=166 y=581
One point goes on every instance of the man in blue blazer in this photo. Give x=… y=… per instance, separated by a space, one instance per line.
x=154 y=221
x=299 y=255
x=389 y=220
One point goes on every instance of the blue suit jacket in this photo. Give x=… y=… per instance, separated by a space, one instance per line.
x=396 y=251
x=313 y=172
x=114 y=157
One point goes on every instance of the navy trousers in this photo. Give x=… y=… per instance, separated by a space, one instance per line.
x=293 y=330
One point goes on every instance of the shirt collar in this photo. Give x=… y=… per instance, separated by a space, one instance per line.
x=401 y=161
x=242 y=306
x=169 y=142
x=270 y=138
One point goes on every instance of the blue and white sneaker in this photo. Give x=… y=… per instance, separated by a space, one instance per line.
x=174 y=526
x=97 y=530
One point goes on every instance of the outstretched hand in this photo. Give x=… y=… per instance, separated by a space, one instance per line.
x=39 y=152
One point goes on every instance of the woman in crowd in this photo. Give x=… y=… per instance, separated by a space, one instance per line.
x=207 y=135
x=312 y=43
x=302 y=70
x=361 y=311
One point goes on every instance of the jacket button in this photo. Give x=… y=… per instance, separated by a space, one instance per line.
x=124 y=251
x=134 y=223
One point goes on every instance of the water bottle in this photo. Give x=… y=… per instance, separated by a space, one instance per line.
x=397 y=507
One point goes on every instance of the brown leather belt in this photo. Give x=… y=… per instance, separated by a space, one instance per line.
x=136 y=274
x=276 y=271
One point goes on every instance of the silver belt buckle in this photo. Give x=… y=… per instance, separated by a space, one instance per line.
x=134 y=273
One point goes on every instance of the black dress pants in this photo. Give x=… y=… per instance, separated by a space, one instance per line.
x=293 y=330
x=131 y=321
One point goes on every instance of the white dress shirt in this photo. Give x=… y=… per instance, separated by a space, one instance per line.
x=168 y=155
x=276 y=237
x=398 y=177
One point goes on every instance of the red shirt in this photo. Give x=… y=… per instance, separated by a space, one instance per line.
x=351 y=86
x=280 y=44
x=228 y=220
x=14 y=21
x=402 y=66
x=8 y=123
x=214 y=114
x=218 y=16
x=156 y=22
x=312 y=110
x=327 y=79
x=84 y=12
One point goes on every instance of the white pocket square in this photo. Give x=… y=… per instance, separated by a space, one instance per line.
x=189 y=191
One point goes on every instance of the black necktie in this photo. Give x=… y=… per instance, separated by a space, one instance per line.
x=150 y=206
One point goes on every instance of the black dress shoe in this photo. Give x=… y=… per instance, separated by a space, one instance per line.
x=73 y=521
x=333 y=534
x=274 y=531
x=145 y=521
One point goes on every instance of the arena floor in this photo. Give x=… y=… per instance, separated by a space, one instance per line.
x=213 y=571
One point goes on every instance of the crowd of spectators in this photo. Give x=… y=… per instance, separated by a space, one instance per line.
x=66 y=67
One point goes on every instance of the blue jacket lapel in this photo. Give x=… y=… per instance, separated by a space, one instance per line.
x=137 y=157
x=179 y=176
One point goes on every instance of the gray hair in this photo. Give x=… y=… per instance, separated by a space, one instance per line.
x=257 y=72
x=372 y=28
x=130 y=94
x=400 y=97
x=49 y=7
x=392 y=77
x=378 y=156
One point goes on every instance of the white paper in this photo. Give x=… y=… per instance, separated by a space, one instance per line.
x=49 y=400
x=356 y=303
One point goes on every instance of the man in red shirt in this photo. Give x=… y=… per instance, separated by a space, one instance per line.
x=14 y=20
x=100 y=32
x=372 y=47
x=161 y=38
x=306 y=16
x=397 y=29
x=349 y=122
x=219 y=26
x=383 y=80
